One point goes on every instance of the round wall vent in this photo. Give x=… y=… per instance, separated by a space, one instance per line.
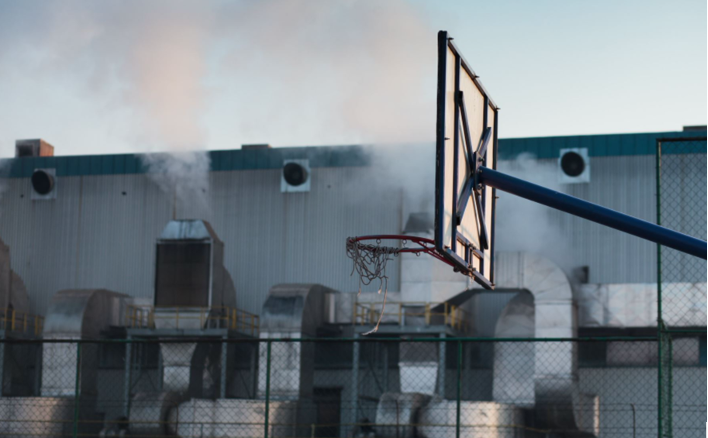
x=295 y=174
x=42 y=182
x=572 y=164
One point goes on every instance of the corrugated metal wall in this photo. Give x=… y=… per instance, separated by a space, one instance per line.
x=94 y=236
x=101 y=229
x=626 y=184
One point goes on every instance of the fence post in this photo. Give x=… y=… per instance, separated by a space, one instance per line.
x=459 y=387
x=77 y=387
x=658 y=292
x=267 y=391
x=127 y=376
x=354 y=400
x=2 y=368
x=442 y=356
x=224 y=353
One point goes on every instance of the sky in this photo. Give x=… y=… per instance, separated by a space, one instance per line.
x=112 y=76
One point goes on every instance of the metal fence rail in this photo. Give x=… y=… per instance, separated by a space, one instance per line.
x=424 y=387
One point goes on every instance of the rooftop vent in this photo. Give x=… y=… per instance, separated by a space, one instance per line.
x=256 y=146
x=33 y=148
x=694 y=128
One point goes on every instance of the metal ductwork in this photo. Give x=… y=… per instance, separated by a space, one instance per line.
x=557 y=401
x=37 y=417
x=419 y=368
x=189 y=268
x=13 y=294
x=291 y=311
x=514 y=364
x=72 y=315
x=477 y=420
x=234 y=418
x=76 y=314
x=400 y=412
x=189 y=277
x=634 y=305
x=149 y=413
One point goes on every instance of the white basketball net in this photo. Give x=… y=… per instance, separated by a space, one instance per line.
x=369 y=262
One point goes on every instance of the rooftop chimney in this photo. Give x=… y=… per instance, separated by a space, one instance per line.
x=35 y=147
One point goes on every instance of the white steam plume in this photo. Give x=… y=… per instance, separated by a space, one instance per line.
x=524 y=225
x=345 y=71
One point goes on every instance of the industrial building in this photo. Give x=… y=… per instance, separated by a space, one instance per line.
x=94 y=248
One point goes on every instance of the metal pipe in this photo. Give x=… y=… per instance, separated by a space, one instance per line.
x=593 y=212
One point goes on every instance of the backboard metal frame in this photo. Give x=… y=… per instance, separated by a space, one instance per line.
x=466 y=138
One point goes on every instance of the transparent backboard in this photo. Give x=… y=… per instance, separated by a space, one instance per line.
x=466 y=138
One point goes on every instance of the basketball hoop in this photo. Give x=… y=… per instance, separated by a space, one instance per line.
x=370 y=259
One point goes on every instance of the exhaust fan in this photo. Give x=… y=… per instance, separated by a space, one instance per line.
x=573 y=166
x=44 y=184
x=295 y=176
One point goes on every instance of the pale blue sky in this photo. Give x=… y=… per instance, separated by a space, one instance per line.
x=103 y=77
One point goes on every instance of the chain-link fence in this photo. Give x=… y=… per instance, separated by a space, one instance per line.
x=681 y=279
x=390 y=388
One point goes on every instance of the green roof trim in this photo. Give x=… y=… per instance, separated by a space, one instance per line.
x=597 y=145
x=341 y=156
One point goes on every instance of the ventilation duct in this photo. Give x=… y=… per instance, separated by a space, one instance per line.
x=551 y=367
x=189 y=269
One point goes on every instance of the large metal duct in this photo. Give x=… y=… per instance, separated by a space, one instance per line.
x=233 y=418
x=36 y=416
x=557 y=400
x=72 y=315
x=76 y=314
x=419 y=365
x=189 y=277
x=477 y=420
x=514 y=365
x=634 y=305
x=149 y=412
x=397 y=414
x=189 y=268
x=13 y=293
x=291 y=311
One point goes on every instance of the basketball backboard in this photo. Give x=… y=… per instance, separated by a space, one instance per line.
x=466 y=138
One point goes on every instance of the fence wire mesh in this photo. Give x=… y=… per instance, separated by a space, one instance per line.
x=681 y=205
x=389 y=388
x=681 y=279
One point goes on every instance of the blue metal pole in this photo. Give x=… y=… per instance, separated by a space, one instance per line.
x=593 y=212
